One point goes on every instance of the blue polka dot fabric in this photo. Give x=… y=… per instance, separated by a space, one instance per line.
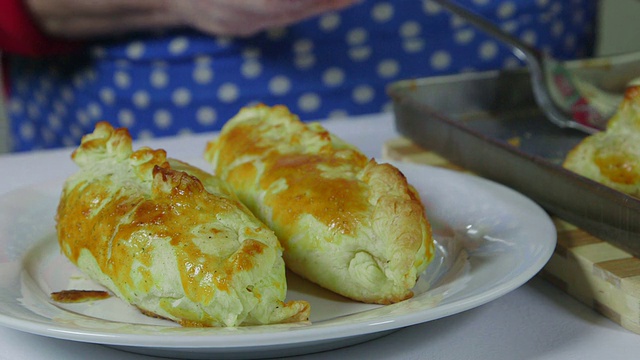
x=335 y=65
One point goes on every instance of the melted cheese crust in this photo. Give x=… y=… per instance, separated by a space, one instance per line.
x=612 y=157
x=169 y=238
x=347 y=223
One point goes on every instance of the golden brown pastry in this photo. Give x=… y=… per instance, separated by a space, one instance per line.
x=347 y=223
x=170 y=238
x=612 y=157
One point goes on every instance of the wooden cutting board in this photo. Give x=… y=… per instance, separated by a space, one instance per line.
x=587 y=268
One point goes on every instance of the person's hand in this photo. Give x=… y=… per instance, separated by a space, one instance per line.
x=81 y=19
x=247 y=17
x=78 y=19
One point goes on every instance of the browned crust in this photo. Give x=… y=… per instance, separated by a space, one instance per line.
x=370 y=194
x=79 y=296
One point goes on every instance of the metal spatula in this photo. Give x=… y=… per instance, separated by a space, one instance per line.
x=568 y=100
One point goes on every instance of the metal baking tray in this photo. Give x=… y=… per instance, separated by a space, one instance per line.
x=489 y=123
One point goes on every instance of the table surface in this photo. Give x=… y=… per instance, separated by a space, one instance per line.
x=536 y=321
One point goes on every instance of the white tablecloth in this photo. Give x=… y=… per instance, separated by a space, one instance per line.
x=536 y=321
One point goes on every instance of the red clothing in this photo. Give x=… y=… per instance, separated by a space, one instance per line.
x=20 y=35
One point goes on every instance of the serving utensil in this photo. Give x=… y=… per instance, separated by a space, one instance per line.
x=568 y=100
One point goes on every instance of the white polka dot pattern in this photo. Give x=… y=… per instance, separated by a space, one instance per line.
x=279 y=85
x=206 y=115
x=162 y=119
x=159 y=79
x=178 y=45
x=309 y=102
x=141 y=99
x=333 y=76
x=228 y=92
x=329 y=22
x=181 y=97
x=335 y=65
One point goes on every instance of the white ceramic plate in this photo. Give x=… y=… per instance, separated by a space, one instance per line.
x=490 y=241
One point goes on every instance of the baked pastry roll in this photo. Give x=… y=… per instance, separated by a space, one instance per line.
x=170 y=238
x=347 y=223
x=612 y=157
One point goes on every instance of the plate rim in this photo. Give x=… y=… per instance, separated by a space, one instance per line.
x=294 y=336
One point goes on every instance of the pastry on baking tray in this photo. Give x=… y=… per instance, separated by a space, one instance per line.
x=612 y=157
x=347 y=223
x=169 y=238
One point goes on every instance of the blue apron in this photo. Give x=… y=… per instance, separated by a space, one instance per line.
x=337 y=64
